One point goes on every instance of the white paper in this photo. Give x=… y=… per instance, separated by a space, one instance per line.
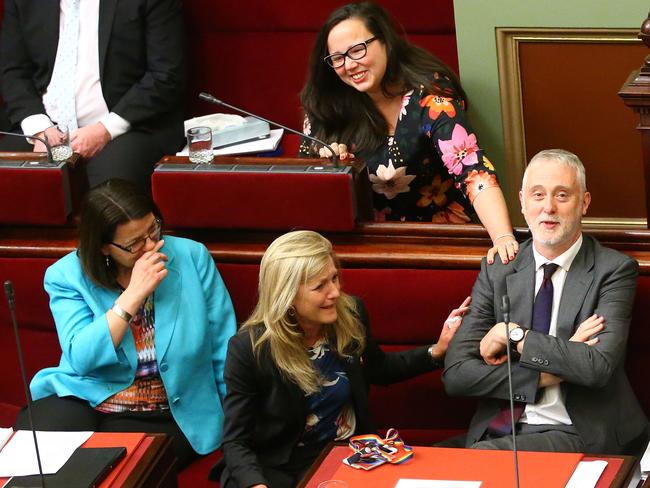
x=587 y=474
x=215 y=121
x=645 y=460
x=5 y=434
x=18 y=458
x=259 y=145
x=414 y=483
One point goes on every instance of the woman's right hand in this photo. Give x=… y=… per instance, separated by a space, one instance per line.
x=593 y=325
x=341 y=150
x=149 y=270
x=449 y=328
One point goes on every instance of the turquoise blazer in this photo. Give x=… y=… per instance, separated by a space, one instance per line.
x=194 y=319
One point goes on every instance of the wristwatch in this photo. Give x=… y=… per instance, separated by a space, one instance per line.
x=515 y=336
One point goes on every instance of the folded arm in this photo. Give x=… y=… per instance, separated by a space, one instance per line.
x=590 y=365
x=466 y=373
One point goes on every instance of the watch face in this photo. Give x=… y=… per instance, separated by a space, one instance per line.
x=516 y=334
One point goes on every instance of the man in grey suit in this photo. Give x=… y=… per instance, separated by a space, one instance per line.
x=568 y=330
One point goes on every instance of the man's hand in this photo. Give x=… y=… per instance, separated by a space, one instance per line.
x=548 y=379
x=51 y=134
x=588 y=328
x=89 y=140
x=38 y=145
x=585 y=330
x=493 y=345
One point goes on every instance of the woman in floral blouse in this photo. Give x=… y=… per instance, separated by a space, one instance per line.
x=402 y=111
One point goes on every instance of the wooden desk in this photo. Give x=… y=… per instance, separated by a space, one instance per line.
x=155 y=469
x=151 y=465
x=465 y=464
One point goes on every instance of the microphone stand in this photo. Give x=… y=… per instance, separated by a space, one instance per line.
x=506 y=320
x=48 y=147
x=9 y=292
x=211 y=99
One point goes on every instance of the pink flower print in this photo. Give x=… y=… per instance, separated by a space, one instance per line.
x=459 y=150
x=390 y=181
x=405 y=101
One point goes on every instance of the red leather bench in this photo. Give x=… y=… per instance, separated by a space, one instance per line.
x=257 y=58
x=406 y=308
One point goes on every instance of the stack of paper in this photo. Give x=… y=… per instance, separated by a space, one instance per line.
x=5 y=434
x=18 y=457
x=263 y=145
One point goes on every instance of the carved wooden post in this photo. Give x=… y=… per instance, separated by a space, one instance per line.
x=636 y=95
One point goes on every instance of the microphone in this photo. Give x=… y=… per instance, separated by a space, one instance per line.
x=50 y=160
x=505 y=311
x=211 y=99
x=505 y=308
x=9 y=292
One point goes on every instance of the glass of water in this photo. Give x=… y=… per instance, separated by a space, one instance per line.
x=59 y=138
x=199 y=144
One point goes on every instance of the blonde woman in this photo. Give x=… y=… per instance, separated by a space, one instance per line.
x=297 y=373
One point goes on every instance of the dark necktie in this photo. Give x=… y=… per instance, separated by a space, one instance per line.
x=544 y=301
x=500 y=424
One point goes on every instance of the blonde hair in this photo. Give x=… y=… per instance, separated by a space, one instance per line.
x=291 y=260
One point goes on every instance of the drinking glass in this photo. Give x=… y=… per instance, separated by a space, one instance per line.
x=199 y=144
x=59 y=138
x=333 y=484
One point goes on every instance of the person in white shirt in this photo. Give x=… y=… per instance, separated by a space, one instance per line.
x=113 y=72
x=570 y=310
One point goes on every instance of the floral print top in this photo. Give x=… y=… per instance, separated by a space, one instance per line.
x=331 y=415
x=432 y=168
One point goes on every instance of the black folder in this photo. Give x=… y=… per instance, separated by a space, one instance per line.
x=86 y=468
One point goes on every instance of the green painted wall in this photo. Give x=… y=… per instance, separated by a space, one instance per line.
x=476 y=21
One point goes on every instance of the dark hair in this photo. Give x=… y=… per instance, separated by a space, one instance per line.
x=105 y=207
x=342 y=114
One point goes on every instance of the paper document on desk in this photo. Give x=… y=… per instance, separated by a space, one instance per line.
x=413 y=483
x=587 y=474
x=5 y=434
x=645 y=460
x=18 y=457
x=262 y=145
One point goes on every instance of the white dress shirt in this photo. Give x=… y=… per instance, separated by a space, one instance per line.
x=550 y=408
x=89 y=99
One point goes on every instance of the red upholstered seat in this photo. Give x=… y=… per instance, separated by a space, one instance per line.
x=37 y=333
x=256 y=57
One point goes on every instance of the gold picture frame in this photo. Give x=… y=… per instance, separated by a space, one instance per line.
x=508 y=43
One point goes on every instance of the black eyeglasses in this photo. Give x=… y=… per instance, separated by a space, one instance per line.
x=137 y=246
x=356 y=52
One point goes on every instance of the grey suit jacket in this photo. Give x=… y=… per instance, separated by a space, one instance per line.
x=598 y=396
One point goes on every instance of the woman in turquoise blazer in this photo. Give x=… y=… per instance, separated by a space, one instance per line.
x=143 y=324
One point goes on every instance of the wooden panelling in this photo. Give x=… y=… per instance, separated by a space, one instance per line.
x=558 y=89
